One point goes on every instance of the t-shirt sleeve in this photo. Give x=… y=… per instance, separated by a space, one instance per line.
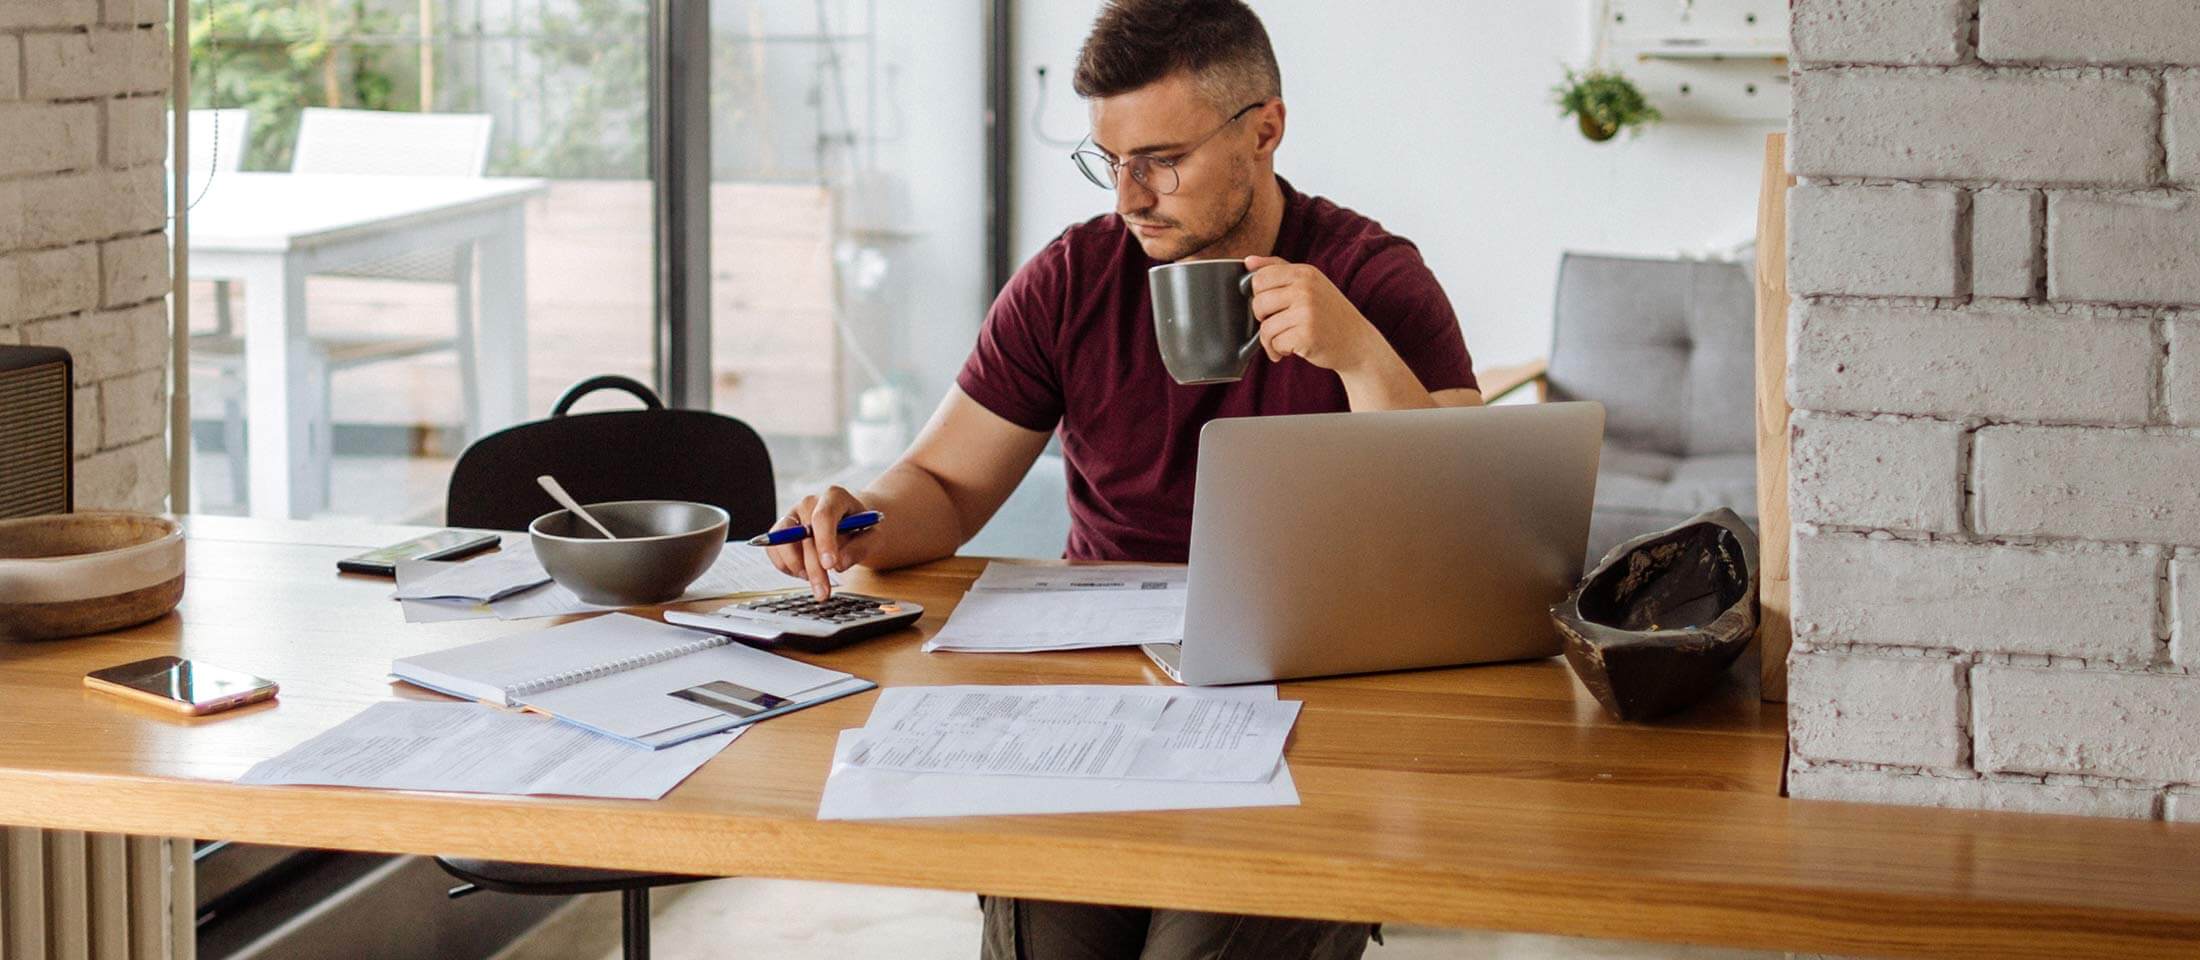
x=1013 y=371
x=1396 y=292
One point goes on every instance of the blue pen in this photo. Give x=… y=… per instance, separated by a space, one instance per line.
x=852 y=523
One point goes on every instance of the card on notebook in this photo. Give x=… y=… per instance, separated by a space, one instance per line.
x=637 y=679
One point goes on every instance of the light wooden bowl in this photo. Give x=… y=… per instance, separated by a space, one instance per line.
x=71 y=574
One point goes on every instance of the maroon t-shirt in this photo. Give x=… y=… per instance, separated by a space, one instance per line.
x=1070 y=343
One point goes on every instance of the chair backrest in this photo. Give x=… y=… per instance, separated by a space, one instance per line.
x=396 y=144
x=1668 y=346
x=218 y=140
x=649 y=454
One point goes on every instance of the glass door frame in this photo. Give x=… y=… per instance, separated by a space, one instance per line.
x=679 y=168
x=680 y=172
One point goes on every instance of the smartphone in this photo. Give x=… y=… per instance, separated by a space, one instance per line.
x=177 y=684
x=440 y=545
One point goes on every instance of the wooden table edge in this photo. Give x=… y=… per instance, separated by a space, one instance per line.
x=1524 y=898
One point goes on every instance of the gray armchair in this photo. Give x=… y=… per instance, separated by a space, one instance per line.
x=1668 y=346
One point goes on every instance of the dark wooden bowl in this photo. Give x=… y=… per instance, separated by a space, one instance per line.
x=1654 y=627
x=70 y=574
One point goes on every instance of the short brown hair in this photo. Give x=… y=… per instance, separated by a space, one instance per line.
x=1220 y=42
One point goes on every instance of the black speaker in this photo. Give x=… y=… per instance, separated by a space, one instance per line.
x=37 y=471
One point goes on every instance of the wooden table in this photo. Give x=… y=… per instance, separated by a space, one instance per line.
x=1491 y=797
x=272 y=230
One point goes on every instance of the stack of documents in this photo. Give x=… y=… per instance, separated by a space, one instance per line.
x=1020 y=608
x=511 y=584
x=650 y=683
x=471 y=748
x=991 y=750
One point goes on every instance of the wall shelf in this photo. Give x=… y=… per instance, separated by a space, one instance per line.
x=1700 y=61
x=1711 y=53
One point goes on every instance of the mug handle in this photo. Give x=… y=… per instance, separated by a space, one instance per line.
x=1250 y=347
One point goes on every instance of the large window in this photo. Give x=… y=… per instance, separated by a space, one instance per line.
x=848 y=209
x=435 y=215
x=430 y=216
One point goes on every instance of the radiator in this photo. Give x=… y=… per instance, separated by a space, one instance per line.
x=68 y=895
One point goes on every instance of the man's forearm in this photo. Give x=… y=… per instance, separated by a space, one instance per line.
x=922 y=523
x=1385 y=383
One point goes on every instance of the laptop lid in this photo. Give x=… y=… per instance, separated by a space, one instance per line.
x=1354 y=542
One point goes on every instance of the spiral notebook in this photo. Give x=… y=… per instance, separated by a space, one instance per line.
x=640 y=680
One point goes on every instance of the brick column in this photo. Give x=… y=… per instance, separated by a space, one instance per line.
x=1995 y=252
x=83 y=207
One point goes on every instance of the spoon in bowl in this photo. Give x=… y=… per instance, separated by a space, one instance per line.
x=564 y=499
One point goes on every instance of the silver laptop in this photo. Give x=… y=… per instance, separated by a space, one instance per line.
x=1355 y=542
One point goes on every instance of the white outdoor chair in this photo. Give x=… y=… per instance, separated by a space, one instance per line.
x=218 y=141
x=371 y=142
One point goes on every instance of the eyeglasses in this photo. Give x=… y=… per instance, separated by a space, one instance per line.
x=1157 y=174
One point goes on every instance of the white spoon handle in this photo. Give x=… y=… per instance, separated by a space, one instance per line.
x=564 y=499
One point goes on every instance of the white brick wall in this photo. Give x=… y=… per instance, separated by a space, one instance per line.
x=1881 y=31
x=2006 y=362
x=1902 y=710
x=2098 y=723
x=2137 y=32
x=16 y=14
x=1934 y=789
x=1994 y=359
x=2138 y=247
x=83 y=252
x=2083 y=482
x=2005 y=243
x=2094 y=603
x=1865 y=241
x=2012 y=126
x=2180 y=124
x=1883 y=472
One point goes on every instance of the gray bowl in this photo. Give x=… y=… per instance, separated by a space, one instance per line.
x=663 y=546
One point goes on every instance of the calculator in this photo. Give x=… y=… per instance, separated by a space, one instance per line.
x=798 y=621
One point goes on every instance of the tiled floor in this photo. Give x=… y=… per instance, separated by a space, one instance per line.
x=785 y=920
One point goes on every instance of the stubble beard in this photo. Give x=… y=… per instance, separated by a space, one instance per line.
x=1197 y=244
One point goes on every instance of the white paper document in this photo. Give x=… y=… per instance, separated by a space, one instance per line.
x=471 y=748
x=1202 y=738
x=856 y=792
x=512 y=568
x=1007 y=731
x=411 y=572
x=1006 y=576
x=1119 y=732
x=1022 y=621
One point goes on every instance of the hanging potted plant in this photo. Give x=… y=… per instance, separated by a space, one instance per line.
x=1604 y=102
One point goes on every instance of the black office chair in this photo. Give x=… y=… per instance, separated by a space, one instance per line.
x=648 y=454
x=541 y=880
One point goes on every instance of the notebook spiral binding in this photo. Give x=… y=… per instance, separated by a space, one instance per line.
x=570 y=677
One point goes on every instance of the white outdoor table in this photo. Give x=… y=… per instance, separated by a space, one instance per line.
x=270 y=231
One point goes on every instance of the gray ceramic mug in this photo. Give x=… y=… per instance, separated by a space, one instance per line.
x=1203 y=318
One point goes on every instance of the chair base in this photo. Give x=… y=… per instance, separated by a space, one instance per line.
x=534 y=879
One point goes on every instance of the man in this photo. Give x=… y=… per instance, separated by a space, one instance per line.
x=1187 y=114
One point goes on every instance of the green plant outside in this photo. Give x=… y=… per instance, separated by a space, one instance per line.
x=588 y=86
x=596 y=95
x=277 y=57
x=1605 y=101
